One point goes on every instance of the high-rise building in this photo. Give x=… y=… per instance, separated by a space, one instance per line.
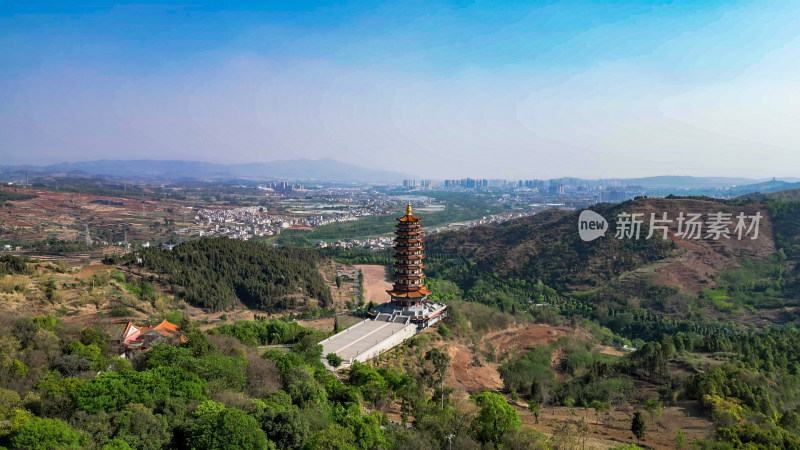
x=613 y=195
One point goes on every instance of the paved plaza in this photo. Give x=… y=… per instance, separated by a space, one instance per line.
x=361 y=337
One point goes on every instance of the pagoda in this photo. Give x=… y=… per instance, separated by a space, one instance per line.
x=409 y=296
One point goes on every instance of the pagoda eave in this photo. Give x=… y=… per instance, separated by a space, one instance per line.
x=418 y=248
x=418 y=265
x=409 y=218
x=409 y=276
x=410 y=294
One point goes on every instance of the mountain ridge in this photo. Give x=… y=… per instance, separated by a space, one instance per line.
x=328 y=169
x=662 y=273
x=325 y=169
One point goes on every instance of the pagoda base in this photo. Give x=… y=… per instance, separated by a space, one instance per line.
x=422 y=315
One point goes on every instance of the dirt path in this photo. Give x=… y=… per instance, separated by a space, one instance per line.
x=377 y=280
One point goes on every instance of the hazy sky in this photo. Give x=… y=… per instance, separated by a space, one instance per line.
x=492 y=89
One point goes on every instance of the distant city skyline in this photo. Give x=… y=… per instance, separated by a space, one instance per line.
x=584 y=89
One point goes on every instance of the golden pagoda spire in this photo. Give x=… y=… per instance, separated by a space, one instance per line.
x=408 y=209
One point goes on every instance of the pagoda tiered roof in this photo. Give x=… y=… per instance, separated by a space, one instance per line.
x=408 y=253
x=409 y=239
x=410 y=276
x=396 y=256
x=416 y=247
x=409 y=294
x=409 y=218
x=415 y=265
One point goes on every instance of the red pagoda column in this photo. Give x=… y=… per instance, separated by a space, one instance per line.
x=409 y=281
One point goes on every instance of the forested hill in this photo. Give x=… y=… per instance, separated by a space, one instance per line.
x=218 y=273
x=547 y=246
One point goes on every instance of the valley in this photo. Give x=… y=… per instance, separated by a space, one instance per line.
x=585 y=334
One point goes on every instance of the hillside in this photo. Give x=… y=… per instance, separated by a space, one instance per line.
x=547 y=246
x=722 y=278
x=221 y=273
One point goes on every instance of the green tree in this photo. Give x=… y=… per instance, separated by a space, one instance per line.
x=141 y=429
x=287 y=428
x=638 y=426
x=39 y=433
x=303 y=388
x=680 y=439
x=599 y=408
x=533 y=407
x=197 y=342
x=110 y=391
x=116 y=444
x=50 y=289
x=91 y=353
x=334 y=437
x=216 y=273
x=569 y=402
x=654 y=408
x=371 y=383
x=217 y=427
x=93 y=336
x=441 y=362
x=334 y=360
x=494 y=419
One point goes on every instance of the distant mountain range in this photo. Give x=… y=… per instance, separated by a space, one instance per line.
x=329 y=170
x=734 y=185
x=166 y=171
x=768 y=186
x=671 y=181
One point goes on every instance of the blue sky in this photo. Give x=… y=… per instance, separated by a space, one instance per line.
x=495 y=89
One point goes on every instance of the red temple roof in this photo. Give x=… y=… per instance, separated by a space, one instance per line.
x=410 y=294
x=408 y=218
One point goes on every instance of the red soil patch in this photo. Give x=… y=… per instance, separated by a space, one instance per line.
x=700 y=258
x=470 y=370
x=90 y=271
x=63 y=214
x=525 y=337
x=376 y=283
x=615 y=427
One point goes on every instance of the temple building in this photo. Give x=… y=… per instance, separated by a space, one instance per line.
x=406 y=313
x=134 y=339
x=409 y=296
